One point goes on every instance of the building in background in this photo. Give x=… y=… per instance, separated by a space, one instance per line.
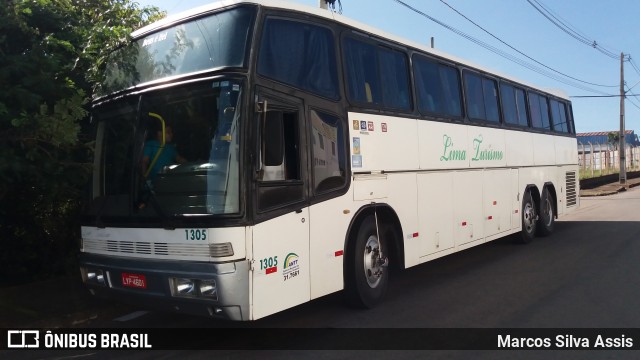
x=602 y=137
x=598 y=151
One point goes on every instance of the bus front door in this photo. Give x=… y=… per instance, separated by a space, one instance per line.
x=280 y=277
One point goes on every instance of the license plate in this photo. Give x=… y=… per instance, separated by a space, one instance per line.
x=134 y=280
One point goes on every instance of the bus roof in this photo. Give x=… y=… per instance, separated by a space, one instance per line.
x=331 y=16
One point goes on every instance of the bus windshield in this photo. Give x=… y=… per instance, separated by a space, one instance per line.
x=210 y=42
x=169 y=152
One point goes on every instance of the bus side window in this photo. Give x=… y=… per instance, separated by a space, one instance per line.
x=280 y=180
x=329 y=154
x=363 y=84
x=280 y=147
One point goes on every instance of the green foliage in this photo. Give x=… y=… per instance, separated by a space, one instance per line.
x=52 y=57
x=614 y=139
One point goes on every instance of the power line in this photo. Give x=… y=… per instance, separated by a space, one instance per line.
x=520 y=52
x=634 y=85
x=605 y=96
x=578 y=35
x=632 y=97
x=500 y=52
x=569 y=30
x=633 y=64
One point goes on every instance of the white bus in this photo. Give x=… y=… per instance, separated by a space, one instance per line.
x=255 y=155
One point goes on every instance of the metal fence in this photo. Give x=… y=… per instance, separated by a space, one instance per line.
x=598 y=159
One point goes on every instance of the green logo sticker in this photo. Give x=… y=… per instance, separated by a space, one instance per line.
x=449 y=153
x=484 y=153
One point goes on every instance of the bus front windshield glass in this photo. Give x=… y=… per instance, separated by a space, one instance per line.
x=211 y=42
x=169 y=152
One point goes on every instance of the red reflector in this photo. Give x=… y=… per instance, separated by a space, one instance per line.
x=415 y=235
x=339 y=252
x=495 y=203
x=516 y=211
x=272 y=270
x=134 y=280
x=464 y=223
x=490 y=217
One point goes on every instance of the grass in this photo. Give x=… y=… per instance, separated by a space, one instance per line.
x=586 y=174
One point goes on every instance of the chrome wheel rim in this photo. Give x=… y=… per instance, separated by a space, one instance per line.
x=547 y=212
x=372 y=265
x=529 y=217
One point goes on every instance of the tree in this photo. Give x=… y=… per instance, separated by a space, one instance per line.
x=613 y=138
x=52 y=56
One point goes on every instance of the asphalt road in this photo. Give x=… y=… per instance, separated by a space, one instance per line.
x=584 y=275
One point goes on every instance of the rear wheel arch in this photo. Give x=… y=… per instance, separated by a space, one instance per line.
x=547 y=210
x=552 y=190
x=529 y=208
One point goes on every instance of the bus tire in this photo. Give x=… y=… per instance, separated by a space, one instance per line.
x=368 y=273
x=546 y=220
x=529 y=219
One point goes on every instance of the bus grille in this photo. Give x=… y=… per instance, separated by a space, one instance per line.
x=149 y=248
x=572 y=195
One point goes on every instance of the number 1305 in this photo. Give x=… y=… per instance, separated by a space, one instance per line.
x=195 y=234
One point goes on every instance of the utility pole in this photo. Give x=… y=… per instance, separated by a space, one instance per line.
x=621 y=149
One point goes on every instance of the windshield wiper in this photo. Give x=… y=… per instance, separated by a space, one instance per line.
x=168 y=222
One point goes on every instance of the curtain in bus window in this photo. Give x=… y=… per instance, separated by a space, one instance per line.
x=451 y=90
x=490 y=100
x=361 y=68
x=509 y=104
x=321 y=76
x=475 y=99
x=430 y=97
x=301 y=55
x=280 y=40
x=544 y=113
x=438 y=88
x=521 y=105
x=534 y=106
x=395 y=84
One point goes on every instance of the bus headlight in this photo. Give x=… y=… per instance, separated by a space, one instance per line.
x=193 y=288
x=93 y=276
x=208 y=289
x=183 y=287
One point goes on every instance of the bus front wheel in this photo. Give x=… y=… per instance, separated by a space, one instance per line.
x=368 y=272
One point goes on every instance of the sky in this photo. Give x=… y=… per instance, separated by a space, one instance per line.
x=611 y=24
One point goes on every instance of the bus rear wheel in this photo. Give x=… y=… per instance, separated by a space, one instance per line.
x=368 y=273
x=546 y=219
x=529 y=219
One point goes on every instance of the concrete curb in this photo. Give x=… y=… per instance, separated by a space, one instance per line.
x=596 y=192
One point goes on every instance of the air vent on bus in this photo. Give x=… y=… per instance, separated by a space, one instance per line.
x=132 y=248
x=161 y=248
x=572 y=196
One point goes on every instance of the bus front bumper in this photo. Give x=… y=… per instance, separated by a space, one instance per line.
x=205 y=289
